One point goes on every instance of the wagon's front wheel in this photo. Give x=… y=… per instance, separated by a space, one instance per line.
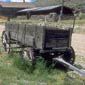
x=5 y=42
x=69 y=56
x=27 y=54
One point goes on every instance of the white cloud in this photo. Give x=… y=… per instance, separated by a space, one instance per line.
x=5 y=0
x=17 y=0
x=21 y=0
x=28 y=0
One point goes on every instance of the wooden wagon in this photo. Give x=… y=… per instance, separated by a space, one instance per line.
x=39 y=40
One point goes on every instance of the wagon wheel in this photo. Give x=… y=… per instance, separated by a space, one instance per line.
x=27 y=54
x=69 y=56
x=5 y=42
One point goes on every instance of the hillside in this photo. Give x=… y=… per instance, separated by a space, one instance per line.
x=72 y=3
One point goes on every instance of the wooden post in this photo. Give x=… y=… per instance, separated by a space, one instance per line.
x=61 y=11
x=23 y=1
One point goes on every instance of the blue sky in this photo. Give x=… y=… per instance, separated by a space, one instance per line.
x=17 y=0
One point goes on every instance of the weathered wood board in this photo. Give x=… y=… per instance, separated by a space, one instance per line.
x=38 y=36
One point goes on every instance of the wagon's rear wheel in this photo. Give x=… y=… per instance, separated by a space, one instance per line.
x=69 y=56
x=5 y=42
x=27 y=54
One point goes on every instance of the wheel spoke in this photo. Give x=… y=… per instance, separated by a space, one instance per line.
x=27 y=54
x=6 y=45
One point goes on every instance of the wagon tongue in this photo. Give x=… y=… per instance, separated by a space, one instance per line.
x=66 y=64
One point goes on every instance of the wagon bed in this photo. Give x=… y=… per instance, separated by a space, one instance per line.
x=37 y=36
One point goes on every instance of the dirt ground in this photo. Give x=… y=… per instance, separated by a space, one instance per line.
x=78 y=43
x=2 y=28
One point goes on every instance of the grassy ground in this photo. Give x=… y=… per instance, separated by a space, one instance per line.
x=14 y=72
x=79 y=24
x=2 y=21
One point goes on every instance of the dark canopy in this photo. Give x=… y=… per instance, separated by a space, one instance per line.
x=46 y=10
x=9 y=9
